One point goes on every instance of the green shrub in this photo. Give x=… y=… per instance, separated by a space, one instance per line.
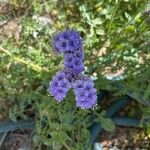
x=116 y=39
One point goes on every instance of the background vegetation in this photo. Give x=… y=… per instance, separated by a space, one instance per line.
x=116 y=43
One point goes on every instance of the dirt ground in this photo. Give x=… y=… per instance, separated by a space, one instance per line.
x=125 y=138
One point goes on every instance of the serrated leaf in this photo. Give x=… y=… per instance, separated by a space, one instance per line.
x=106 y=123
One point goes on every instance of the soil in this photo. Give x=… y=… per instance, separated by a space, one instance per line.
x=125 y=139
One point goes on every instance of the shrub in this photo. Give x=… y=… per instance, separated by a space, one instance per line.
x=116 y=42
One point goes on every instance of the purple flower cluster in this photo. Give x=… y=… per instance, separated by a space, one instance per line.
x=73 y=61
x=85 y=93
x=69 y=43
x=66 y=41
x=59 y=86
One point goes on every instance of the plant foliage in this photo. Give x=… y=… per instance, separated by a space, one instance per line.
x=116 y=37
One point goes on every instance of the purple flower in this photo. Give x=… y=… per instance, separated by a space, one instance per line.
x=74 y=67
x=85 y=93
x=68 y=40
x=69 y=43
x=73 y=62
x=59 y=86
x=78 y=54
x=68 y=58
x=70 y=76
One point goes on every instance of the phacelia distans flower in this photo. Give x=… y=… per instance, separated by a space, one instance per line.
x=59 y=86
x=69 y=43
x=85 y=93
x=68 y=40
x=73 y=61
x=75 y=66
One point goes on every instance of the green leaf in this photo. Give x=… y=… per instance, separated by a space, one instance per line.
x=106 y=123
x=146 y=110
x=97 y=21
x=100 y=31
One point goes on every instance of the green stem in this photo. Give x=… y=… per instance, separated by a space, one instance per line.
x=66 y=146
x=113 y=16
x=25 y=62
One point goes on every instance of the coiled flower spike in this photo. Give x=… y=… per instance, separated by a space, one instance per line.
x=68 y=40
x=69 y=43
x=59 y=86
x=85 y=93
